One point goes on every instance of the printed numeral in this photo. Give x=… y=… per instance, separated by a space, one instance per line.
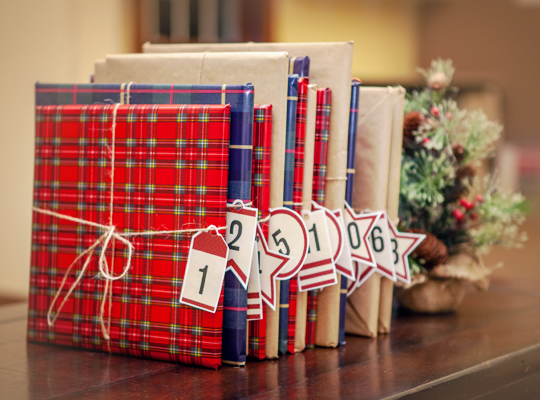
x=203 y=281
x=231 y=244
x=282 y=240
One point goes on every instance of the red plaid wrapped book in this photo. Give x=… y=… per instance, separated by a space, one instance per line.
x=260 y=193
x=169 y=169
x=301 y=111
x=322 y=128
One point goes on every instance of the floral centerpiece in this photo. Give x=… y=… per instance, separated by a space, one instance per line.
x=442 y=194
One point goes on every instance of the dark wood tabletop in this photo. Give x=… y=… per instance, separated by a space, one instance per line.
x=490 y=348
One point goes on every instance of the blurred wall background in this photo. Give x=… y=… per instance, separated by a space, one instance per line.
x=494 y=45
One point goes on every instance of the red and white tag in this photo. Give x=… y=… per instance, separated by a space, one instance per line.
x=358 y=228
x=254 y=302
x=403 y=244
x=382 y=248
x=344 y=264
x=288 y=235
x=240 y=236
x=270 y=265
x=205 y=270
x=319 y=269
x=335 y=231
x=364 y=271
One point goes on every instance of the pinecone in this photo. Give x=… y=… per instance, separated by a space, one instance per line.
x=433 y=251
x=459 y=152
x=411 y=123
x=465 y=172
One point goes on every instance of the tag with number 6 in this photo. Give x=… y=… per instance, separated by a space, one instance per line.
x=205 y=270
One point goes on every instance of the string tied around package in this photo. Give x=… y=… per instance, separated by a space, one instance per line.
x=106 y=240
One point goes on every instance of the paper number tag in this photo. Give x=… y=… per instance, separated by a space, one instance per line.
x=240 y=236
x=403 y=244
x=335 y=231
x=270 y=265
x=205 y=270
x=319 y=269
x=288 y=235
x=358 y=228
x=382 y=248
x=344 y=264
x=254 y=305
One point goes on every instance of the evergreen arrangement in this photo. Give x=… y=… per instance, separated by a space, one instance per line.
x=442 y=194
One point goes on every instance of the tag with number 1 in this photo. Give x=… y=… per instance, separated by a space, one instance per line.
x=205 y=270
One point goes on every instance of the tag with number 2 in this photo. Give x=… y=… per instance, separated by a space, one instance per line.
x=205 y=270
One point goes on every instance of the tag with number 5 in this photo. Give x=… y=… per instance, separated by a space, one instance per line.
x=205 y=270
x=288 y=235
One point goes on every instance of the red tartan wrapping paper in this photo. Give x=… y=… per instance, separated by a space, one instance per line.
x=260 y=193
x=170 y=173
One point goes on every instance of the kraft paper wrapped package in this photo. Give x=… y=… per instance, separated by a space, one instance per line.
x=372 y=166
x=330 y=66
x=267 y=71
x=392 y=202
x=307 y=187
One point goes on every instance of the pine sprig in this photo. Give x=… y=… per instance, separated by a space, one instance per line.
x=437 y=191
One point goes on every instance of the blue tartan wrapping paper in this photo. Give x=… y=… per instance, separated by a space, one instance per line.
x=299 y=66
x=353 y=127
x=241 y=99
x=288 y=189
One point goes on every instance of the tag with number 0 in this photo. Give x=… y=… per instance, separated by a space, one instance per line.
x=240 y=235
x=358 y=228
x=205 y=270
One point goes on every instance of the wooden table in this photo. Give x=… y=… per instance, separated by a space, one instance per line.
x=490 y=348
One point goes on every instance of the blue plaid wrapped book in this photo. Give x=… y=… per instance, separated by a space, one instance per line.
x=351 y=146
x=241 y=98
x=299 y=66
x=288 y=190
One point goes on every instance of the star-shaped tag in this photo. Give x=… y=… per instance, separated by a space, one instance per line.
x=271 y=264
x=403 y=244
x=358 y=228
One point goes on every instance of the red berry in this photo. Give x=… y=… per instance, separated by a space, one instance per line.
x=435 y=111
x=469 y=205
x=474 y=216
x=426 y=140
x=458 y=214
x=479 y=198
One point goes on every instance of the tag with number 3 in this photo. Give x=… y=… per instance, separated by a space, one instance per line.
x=205 y=270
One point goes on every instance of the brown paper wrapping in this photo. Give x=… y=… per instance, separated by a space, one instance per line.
x=307 y=189
x=372 y=162
x=267 y=71
x=362 y=311
x=392 y=202
x=330 y=66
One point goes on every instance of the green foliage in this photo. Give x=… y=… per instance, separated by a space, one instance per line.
x=438 y=182
x=501 y=215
